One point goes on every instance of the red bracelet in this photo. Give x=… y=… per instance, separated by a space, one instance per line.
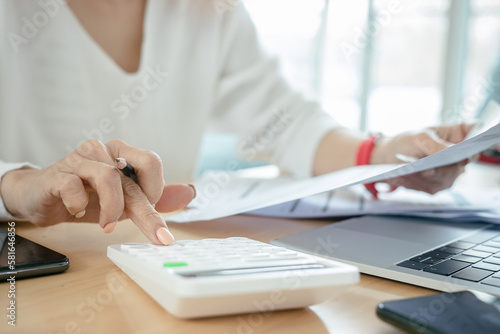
x=363 y=156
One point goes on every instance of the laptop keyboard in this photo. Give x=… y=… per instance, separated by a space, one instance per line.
x=475 y=259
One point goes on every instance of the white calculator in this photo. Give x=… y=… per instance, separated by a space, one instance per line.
x=210 y=277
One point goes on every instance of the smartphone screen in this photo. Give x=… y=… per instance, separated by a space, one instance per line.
x=24 y=258
x=464 y=312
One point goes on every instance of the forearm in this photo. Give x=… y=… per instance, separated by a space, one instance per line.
x=338 y=150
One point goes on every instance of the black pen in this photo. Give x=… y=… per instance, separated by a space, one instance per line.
x=126 y=169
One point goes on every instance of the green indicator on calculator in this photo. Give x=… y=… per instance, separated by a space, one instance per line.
x=174 y=264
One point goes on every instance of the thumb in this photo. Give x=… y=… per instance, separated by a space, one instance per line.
x=429 y=142
x=175 y=197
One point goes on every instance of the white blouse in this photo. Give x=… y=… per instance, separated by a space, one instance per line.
x=201 y=68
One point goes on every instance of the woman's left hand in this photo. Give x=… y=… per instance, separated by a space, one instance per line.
x=419 y=145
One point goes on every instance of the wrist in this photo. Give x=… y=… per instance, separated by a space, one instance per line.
x=12 y=189
x=370 y=151
x=379 y=153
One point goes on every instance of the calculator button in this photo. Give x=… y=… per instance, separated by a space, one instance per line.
x=231 y=257
x=237 y=239
x=247 y=252
x=153 y=261
x=193 y=245
x=286 y=255
x=174 y=264
x=144 y=256
x=155 y=247
x=136 y=250
x=132 y=245
x=168 y=249
x=257 y=257
x=276 y=260
x=201 y=259
x=217 y=251
x=179 y=243
x=277 y=250
x=170 y=259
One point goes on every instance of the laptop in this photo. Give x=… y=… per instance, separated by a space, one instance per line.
x=441 y=255
x=431 y=253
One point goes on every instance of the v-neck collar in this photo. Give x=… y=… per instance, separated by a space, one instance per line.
x=101 y=53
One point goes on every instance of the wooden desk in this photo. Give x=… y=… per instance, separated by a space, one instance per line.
x=94 y=296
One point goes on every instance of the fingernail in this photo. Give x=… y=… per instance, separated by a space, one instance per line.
x=80 y=214
x=121 y=163
x=110 y=227
x=164 y=235
x=194 y=189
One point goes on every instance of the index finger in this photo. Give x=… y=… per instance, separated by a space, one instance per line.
x=429 y=142
x=139 y=209
x=454 y=133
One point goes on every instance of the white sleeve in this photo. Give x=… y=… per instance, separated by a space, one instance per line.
x=4 y=168
x=275 y=123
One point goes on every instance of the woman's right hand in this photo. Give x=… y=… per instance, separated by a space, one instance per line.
x=86 y=186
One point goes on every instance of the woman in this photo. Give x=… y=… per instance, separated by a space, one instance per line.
x=156 y=74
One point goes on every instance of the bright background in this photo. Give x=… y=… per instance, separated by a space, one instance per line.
x=421 y=63
x=405 y=65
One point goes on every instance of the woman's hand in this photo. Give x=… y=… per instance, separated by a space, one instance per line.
x=86 y=186
x=419 y=145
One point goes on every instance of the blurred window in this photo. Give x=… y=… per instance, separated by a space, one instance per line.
x=383 y=65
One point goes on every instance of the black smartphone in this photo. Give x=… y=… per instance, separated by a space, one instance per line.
x=464 y=312
x=23 y=258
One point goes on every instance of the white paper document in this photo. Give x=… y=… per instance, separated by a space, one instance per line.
x=223 y=193
x=458 y=203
